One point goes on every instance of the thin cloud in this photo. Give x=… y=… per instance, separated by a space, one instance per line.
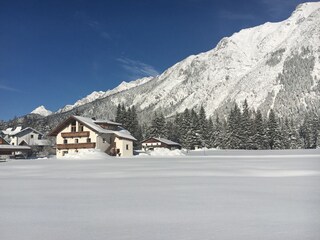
x=6 y=88
x=137 y=69
x=94 y=25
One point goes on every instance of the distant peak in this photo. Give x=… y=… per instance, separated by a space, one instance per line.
x=41 y=110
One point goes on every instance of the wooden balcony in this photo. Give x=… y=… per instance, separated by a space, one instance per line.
x=76 y=145
x=75 y=134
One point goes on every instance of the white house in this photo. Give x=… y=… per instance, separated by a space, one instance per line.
x=78 y=133
x=153 y=142
x=27 y=136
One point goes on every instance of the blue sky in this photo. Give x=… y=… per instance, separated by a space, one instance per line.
x=55 y=52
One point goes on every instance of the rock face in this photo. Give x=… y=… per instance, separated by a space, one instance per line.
x=274 y=65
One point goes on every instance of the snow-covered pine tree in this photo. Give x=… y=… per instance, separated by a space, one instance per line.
x=119 y=114
x=233 y=140
x=158 y=126
x=245 y=130
x=184 y=127
x=218 y=136
x=309 y=131
x=208 y=134
x=274 y=132
x=195 y=137
x=203 y=126
x=259 y=132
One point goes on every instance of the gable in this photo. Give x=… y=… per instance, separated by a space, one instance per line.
x=3 y=141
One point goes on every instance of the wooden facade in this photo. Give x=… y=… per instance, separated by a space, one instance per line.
x=151 y=143
x=75 y=134
x=76 y=146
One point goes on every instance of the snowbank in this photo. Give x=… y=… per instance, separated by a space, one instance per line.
x=165 y=152
x=86 y=154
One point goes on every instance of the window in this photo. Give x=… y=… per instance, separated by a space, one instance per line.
x=88 y=140
x=80 y=128
x=104 y=140
x=65 y=141
x=64 y=153
x=127 y=147
x=73 y=126
x=31 y=135
x=76 y=140
x=39 y=137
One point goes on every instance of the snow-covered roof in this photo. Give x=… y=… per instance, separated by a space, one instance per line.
x=124 y=134
x=93 y=125
x=106 y=121
x=13 y=147
x=28 y=129
x=11 y=132
x=164 y=140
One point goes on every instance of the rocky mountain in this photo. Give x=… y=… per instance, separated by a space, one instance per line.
x=42 y=111
x=101 y=94
x=274 y=65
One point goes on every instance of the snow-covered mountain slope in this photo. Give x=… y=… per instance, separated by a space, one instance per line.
x=274 y=65
x=42 y=111
x=101 y=94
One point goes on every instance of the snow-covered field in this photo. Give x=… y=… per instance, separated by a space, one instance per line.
x=204 y=195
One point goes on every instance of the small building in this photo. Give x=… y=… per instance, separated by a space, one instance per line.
x=9 y=150
x=78 y=133
x=27 y=136
x=152 y=143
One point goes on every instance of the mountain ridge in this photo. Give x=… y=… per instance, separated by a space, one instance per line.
x=273 y=65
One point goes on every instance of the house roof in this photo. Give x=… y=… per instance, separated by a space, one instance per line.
x=26 y=130
x=164 y=140
x=101 y=121
x=11 y=132
x=93 y=125
x=13 y=147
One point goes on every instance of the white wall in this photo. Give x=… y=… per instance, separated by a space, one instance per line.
x=59 y=139
x=27 y=138
x=121 y=144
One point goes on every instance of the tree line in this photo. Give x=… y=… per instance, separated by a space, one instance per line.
x=242 y=128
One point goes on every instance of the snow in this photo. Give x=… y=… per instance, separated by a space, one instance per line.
x=42 y=111
x=244 y=195
x=11 y=131
x=86 y=154
x=236 y=69
x=101 y=94
x=92 y=124
x=165 y=152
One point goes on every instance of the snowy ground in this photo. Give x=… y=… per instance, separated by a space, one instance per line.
x=228 y=195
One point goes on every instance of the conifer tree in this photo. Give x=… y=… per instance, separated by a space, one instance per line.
x=203 y=126
x=274 y=132
x=157 y=128
x=245 y=130
x=233 y=140
x=184 y=127
x=259 y=135
x=217 y=137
